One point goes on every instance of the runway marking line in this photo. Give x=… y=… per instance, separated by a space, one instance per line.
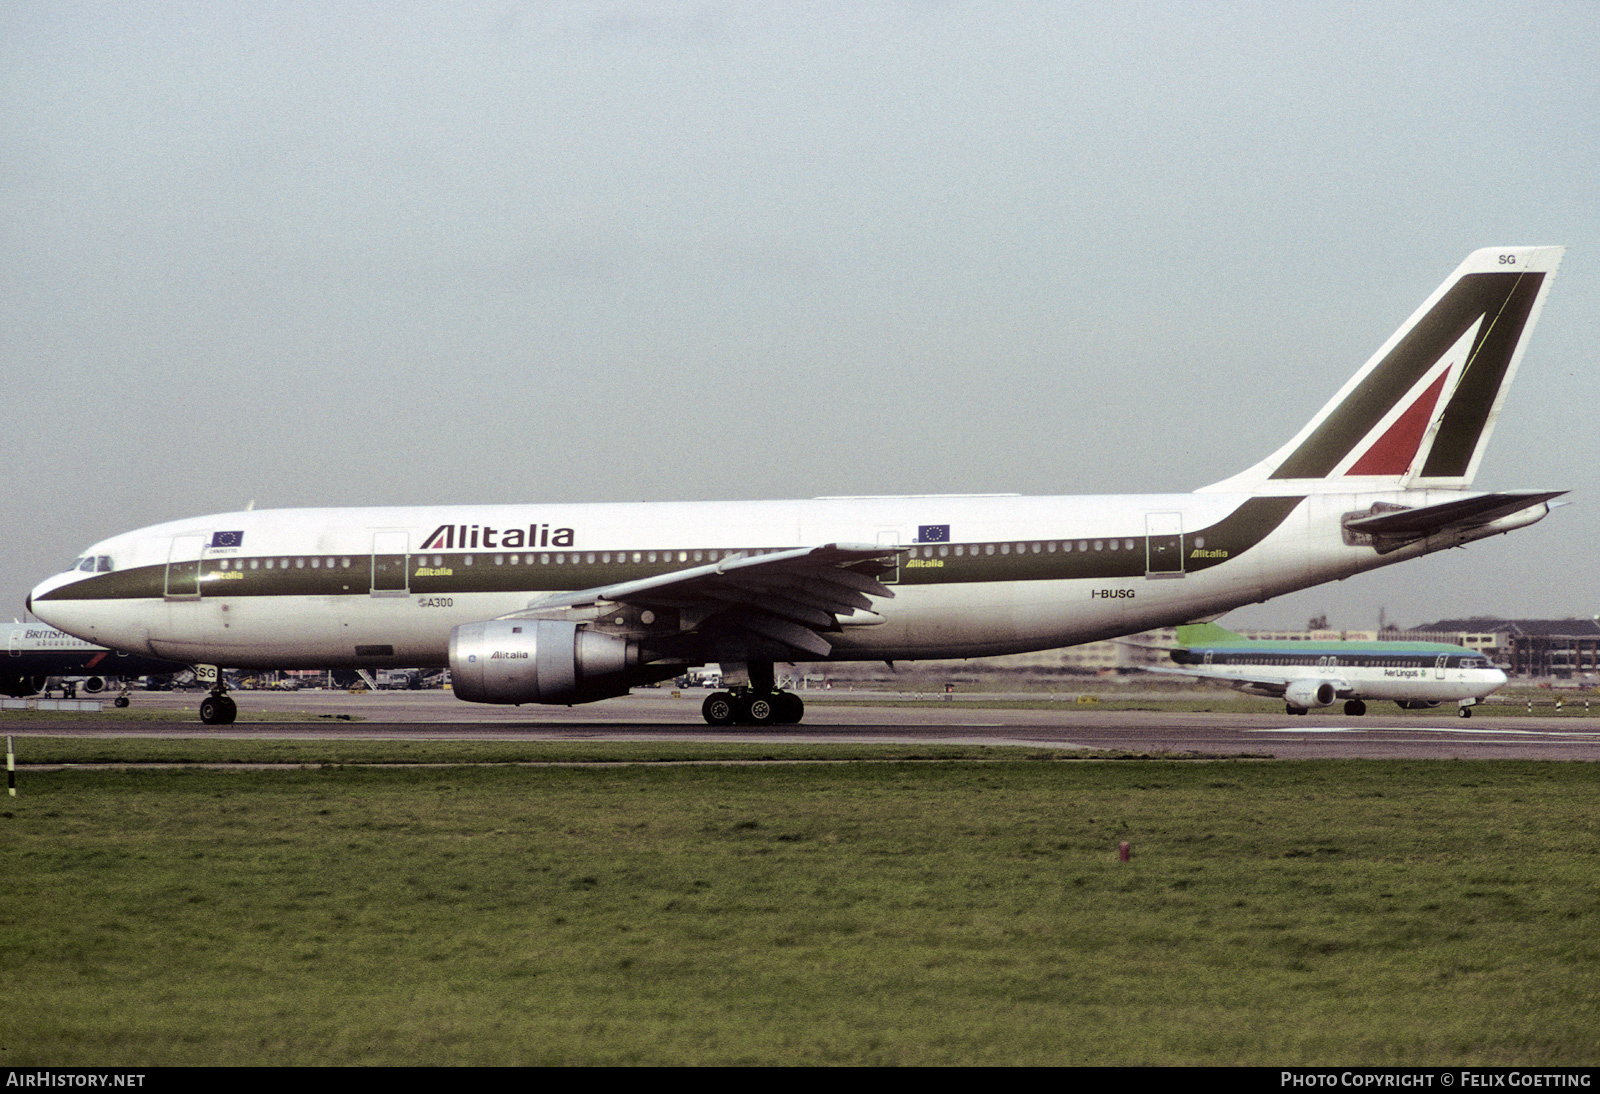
x=1582 y=735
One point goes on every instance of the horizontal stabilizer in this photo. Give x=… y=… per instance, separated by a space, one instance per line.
x=1451 y=516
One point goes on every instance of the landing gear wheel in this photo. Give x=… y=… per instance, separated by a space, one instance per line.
x=1287 y=709
x=717 y=710
x=1355 y=708
x=218 y=710
x=1464 y=712
x=120 y=701
x=759 y=710
x=790 y=708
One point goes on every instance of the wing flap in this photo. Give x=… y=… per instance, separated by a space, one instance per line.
x=786 y=596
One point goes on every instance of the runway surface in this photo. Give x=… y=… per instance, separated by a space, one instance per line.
x=655 y=715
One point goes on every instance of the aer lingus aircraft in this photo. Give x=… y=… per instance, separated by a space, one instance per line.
x=573 y=603
x=1318 y=674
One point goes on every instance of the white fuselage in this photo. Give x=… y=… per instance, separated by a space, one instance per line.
x=1400 y=672
x=303 y=588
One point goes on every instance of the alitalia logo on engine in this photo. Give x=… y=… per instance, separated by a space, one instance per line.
x=509 y=655
x=469 y=537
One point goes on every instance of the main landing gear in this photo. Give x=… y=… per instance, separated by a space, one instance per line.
x=748 y=707
x=759 y=703
x=1355 y=708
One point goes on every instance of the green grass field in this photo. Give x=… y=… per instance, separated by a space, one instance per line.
x=921 y=910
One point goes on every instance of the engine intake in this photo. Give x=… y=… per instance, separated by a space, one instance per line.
x=537 y=661
x=1309 y=693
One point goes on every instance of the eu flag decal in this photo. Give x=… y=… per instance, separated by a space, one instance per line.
x=933 y=533
x=227 y=539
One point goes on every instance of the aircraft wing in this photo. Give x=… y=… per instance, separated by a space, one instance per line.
x=1260 y=684
x=1395 y=527
x=789 y=596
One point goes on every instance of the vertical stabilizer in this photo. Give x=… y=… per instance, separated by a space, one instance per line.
x=1419 y=412
x=1191 y=635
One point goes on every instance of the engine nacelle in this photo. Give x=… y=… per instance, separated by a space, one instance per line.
x=1309 y=693
x=537 y=661
x=1416 y=704
x=19 y=687
x=93 y=684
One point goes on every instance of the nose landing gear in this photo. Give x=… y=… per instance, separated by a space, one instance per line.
x=216 y=709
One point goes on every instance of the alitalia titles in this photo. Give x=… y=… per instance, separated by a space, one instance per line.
x=473 y=536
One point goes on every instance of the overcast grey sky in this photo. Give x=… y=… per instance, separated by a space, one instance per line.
x=327 y=254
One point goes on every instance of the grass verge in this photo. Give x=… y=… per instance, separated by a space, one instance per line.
x=917 y=913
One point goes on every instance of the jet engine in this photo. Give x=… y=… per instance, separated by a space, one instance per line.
x=19 y=687
x=93 y=684
x=538 y=661
x=1309 y=693
x=1416 y=704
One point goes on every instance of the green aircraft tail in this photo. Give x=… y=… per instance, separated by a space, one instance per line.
x=1207 y=634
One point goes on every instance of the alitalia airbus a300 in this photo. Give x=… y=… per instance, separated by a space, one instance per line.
x=574 y=603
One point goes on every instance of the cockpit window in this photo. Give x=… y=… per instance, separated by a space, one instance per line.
x=102 y=564
x=86 y=564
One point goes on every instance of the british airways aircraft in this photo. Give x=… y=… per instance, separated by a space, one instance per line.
x=1318 y=674
x=574 y=603
x=35 y=654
